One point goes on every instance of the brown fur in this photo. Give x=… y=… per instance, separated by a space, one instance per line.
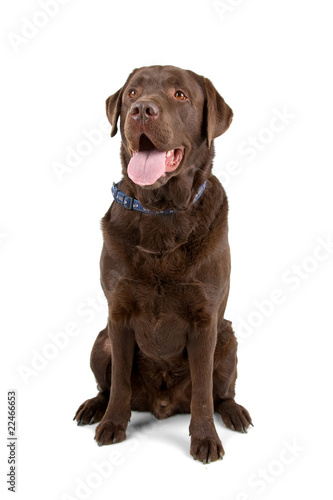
x=167 y=348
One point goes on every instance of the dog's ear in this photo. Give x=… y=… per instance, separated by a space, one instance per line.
x=113 y=108
x=217 y=114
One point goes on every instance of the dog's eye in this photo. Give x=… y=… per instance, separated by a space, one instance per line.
x=180 y=95
x=132 y=93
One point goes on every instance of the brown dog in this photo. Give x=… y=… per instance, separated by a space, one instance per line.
x=165 y=265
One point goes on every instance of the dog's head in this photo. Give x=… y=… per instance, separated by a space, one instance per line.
x=168 y=118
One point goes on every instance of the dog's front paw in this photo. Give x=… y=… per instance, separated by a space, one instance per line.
x=206 y=449
x=108 y=432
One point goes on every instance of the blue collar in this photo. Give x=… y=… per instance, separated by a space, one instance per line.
x=133 y=204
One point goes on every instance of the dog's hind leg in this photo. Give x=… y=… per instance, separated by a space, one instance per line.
x=234 y=416
x=92 y=410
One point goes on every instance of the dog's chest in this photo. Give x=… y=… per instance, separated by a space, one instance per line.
x=161 y=315
x=153 y=285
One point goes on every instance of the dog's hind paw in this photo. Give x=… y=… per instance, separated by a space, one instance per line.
x=235 y=416
x=92 y=410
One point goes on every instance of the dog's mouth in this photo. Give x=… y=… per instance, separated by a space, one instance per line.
x=148 y=163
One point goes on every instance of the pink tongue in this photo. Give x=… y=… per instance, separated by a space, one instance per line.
x=146 y=167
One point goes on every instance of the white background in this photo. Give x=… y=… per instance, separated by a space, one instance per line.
x=264 y=58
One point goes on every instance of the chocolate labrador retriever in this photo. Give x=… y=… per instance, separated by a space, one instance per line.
x=165 y=266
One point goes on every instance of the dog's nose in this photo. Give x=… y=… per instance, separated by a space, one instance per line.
x=144 y=110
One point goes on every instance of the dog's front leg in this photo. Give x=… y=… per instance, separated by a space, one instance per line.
x=112 y=428
x=205 y=443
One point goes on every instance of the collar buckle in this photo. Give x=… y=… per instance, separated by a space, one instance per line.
x=121 y=198
x=128 y=203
